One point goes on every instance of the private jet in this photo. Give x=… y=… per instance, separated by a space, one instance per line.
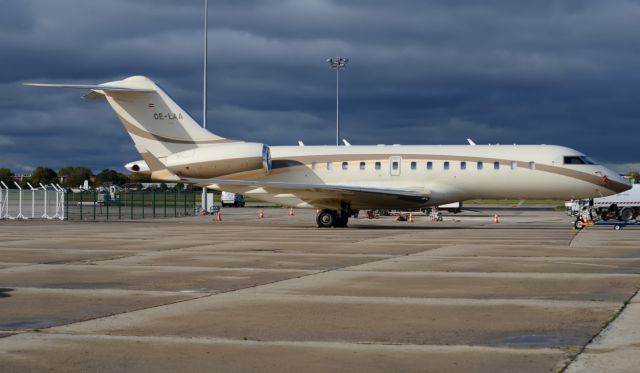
x=339 y=180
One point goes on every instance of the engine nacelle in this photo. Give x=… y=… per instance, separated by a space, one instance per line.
x=221 y=159
x=139 y=167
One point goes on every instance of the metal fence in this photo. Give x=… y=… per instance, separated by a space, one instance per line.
x=45 y=202
x=54 y=202
x=130 y=205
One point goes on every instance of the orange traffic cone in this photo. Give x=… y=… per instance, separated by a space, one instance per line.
x=261 y=215
x=291 y=213
x=410 y=218
x=219 y=216
x=496 y=219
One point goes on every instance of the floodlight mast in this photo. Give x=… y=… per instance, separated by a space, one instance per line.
x=203 y=199
x=206 y=45
x=337 y=64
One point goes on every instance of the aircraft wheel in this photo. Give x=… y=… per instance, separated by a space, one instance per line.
x=326 y=218
x=578 y=224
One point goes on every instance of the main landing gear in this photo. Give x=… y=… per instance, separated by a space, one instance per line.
x=332 y=218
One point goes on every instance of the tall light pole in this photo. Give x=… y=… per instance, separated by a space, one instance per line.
x=337 y=64
x=204 y=87
x=206 y=45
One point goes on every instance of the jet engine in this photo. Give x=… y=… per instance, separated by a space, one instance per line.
x=139 y=167
x=218 y=160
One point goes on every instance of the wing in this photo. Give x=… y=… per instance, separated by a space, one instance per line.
x=329 y=196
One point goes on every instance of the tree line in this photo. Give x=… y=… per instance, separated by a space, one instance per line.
x=73 y=177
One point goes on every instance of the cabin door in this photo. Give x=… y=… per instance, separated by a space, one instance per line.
x=395 y=163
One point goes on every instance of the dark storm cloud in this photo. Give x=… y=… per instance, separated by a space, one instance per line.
x=556 y=72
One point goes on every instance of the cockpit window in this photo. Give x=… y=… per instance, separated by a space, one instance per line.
x=577 y=159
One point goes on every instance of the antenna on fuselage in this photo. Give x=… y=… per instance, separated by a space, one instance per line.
x=471 y=142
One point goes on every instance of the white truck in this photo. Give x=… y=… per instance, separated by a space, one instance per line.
x=623 y=206
x=232 y=199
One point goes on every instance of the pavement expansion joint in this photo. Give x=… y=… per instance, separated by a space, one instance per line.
x=275 y=253
x=543 y=303
x=107 y=291
x=524 y=275
x=362 y=345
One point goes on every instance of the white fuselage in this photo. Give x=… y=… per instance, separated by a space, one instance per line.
x=491 y=171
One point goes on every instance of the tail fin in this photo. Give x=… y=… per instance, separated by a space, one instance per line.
x=153 y=120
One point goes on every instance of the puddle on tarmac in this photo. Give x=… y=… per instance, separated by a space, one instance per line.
x=26 y=324
x=536 y=340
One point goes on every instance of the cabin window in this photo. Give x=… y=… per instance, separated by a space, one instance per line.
x=514 y=165
x=314 y=165
x=429 y=165
x=378 y=165
x=363 y=165
x=577 y=159
x=446 y=165
x=345 y=165
x=395 y=165
x=479 y=165
x=496 y=165
x=414 y=165
x=329 y=166
x=532 y=165
x=463 y=165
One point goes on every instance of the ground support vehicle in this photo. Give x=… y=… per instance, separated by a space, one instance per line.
x=231 y=199
x=623 y=206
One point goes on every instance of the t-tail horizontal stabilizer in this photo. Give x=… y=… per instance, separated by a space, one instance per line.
x=92 y=95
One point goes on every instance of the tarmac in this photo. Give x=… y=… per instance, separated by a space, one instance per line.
x=279 y=295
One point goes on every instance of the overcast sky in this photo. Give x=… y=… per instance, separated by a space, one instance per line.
x=420 y=72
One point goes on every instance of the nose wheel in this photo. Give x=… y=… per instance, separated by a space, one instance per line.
x=331 y=218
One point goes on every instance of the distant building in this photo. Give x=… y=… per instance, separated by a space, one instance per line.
x=61 y=179
x=21 y=178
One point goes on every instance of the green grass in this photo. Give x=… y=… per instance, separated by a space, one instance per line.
x=137 y=199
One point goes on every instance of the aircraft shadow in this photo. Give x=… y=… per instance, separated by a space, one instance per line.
x=4 y=292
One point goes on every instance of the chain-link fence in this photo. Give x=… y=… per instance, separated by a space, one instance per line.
x=130 y=205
